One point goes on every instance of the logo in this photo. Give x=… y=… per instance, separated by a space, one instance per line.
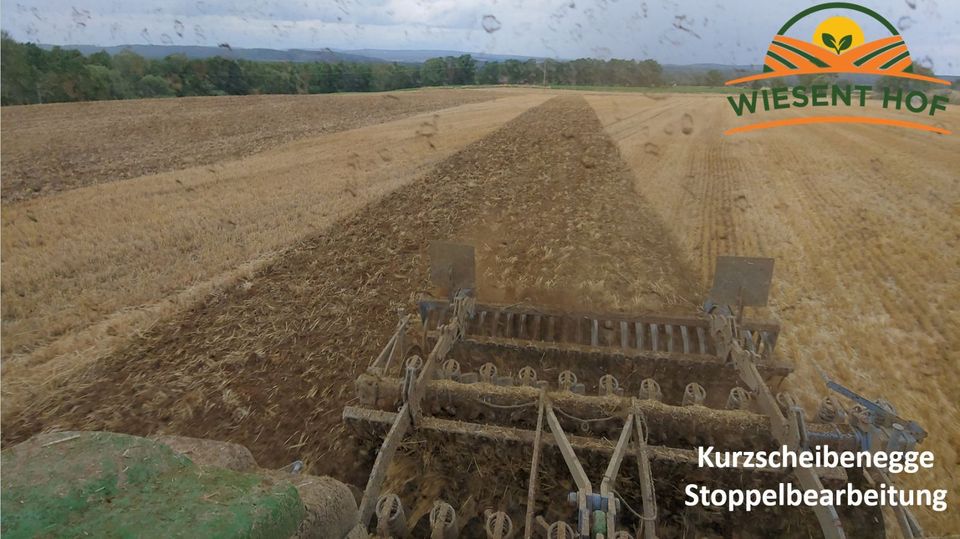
x=838 y=46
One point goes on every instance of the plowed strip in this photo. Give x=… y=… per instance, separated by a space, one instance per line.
x=56 y=147
x=270 y=364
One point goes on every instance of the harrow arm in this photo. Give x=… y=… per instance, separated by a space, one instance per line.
x=647 y=491
x=613 y=469
x=584 y=488
x=410 y=412
x=534 y=467
x=788 y=430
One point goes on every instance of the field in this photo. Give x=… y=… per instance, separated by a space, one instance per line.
x=160 y=276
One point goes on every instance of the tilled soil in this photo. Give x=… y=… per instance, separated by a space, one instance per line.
x=61 y=146
x=270 y=364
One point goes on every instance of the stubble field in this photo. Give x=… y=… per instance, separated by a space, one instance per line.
x=236 y=289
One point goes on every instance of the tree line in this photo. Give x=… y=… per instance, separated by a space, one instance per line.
x=31 y=74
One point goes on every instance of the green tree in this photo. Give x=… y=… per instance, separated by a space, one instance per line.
x=18 y=77
x=713 y=78
x=101 y=58
x=130 y=64
x=433 y=72
x=227 y=76
x=154 y=86
x=465 y=70
x=95 y=84
x=513 y=70
x=489 y=73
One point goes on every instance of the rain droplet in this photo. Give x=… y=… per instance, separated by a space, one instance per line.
x=912 y=4
x=490 y=24
x=904 y=23
x=926 y=62
x=166 y=39
x=686 y=124
x=651 y=148
x=178 y=28
x=742 y=203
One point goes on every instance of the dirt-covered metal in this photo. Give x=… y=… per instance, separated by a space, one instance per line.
x=606 y=409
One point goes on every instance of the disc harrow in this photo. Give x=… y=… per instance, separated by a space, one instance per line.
x=604 y=411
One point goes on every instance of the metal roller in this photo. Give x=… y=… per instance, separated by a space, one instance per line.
x=560 y=530
x=414 y=362
x=391 y=520
x=451 y=369
x=488 y=373
x=498 y=525
x=527 y=376
x=694 y=394
x=786 y=400
x=609 y=385
x=650 y=390
x=443 y=521
x=830 y=410
x=739 y=399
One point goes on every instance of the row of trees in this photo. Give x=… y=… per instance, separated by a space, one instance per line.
x=31 y=74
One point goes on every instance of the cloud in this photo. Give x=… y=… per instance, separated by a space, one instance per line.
x=678 y=31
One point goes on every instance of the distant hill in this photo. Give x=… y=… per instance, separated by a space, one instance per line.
x=294 y=55
x=256 y=55
x=419 y=56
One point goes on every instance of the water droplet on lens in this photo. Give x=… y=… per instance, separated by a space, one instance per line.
x=904 y=23
x=686 y=124
x=490 y=24
x=912 y=4
x=651 y=148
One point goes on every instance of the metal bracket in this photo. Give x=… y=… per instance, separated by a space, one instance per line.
x=452 y=267
x=740 y=280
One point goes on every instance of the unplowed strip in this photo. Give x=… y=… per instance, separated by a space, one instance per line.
x=270 y=364
x=863 y=222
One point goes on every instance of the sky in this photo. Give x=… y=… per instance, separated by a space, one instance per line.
x=670 y=31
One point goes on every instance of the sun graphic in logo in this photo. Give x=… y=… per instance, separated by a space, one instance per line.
x=838 y=34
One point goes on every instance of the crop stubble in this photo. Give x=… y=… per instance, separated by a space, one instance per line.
x=56 y=147
x=863 y=222
x=84 y=269
x=865 y=237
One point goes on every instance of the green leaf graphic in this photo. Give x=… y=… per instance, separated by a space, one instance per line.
x=829 y=40
x=845 y=43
